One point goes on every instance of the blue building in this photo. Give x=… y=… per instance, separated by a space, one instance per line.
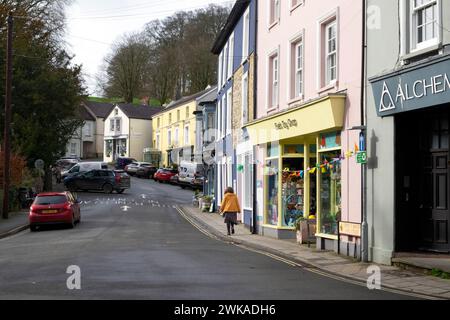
x=236 y=48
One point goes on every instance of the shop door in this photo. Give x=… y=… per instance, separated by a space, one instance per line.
x=434 y=211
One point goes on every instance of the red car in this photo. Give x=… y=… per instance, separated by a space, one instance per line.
x=164 y=175
x=54 y=208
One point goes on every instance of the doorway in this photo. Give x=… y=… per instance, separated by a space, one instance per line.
x=423 y=173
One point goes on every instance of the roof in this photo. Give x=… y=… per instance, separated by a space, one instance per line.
x=85 y=114
x=99 y=109
x=210 y=96
x=133 y=111
x=236 y=13
x=184 y=100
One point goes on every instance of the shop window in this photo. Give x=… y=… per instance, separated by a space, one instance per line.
x=294 y=149
x=330 y=194
x=248 y=181
x=272 y=168
x=330 y=140
x=273 y=150
x=293 y=190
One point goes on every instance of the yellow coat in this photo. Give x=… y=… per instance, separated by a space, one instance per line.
x=230 y=203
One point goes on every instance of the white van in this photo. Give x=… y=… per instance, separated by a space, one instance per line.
x=84 y=167
x=188 y=172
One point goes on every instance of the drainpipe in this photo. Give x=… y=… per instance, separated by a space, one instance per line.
x=364 y=226
x=255 y=113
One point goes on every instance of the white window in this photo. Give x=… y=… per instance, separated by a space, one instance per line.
x=298 y=69
x=73 y=148
x=331 y=52
x=245 y=111
x=223 y=110
x=274 y=81
x=248 y=182
x=186 y=136
x=219 y=73
x=169 y=137
x=246 y=35
x=425 y=23
x=159 y=123
x=118 y=124
x=274 y=11
x=219 y=119
x=230 y=56
x=157 y=142
x=229 y=112
x=176 y=136
x=225 y=64
x=111 y=125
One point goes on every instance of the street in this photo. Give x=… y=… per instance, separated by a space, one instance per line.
x=137 y=246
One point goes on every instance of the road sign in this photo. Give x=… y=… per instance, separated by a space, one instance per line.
x=361 y=157
x=39 y=164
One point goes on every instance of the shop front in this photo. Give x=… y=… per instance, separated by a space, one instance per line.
x=418 y=98
x=298 y=159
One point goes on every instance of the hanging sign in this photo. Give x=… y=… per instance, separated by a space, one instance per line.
x=361 y=157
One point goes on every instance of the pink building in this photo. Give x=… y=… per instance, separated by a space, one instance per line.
x=309 y=62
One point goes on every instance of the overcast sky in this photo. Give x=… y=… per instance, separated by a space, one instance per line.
x=94 y=24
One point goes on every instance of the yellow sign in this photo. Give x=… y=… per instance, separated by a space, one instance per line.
x=350 y=229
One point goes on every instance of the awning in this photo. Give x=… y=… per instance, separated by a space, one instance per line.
x=320 y=115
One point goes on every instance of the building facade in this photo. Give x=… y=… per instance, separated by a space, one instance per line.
x=82 y=143
x=100 y=111
x=174 y=130
x=128 y=131
x=408 y=102
x=309 y=62
x=236 y=49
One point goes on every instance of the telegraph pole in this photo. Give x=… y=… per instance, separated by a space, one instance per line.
x=7 y=133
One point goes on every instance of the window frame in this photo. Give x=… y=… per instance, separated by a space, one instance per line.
x=274 y=12
x=169 y=137
x=329 y=80
x=274 y=81
x=413 y=27
x=298 y=39
x=230 y=64
x=186 y=135
x=332 y=17
x=246 y=36
x=245 y=97
x=229 y=111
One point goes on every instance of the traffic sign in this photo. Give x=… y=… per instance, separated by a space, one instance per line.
x=361 y=157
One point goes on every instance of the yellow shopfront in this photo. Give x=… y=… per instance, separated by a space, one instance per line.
x=298 y=160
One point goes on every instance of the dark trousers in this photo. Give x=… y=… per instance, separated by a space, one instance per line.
x=230 y=227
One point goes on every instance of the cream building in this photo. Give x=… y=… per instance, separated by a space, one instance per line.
x=174 y=130
x=128 y=131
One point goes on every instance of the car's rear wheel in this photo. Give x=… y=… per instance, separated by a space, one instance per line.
x=33 y=228
x=107 y=188
x=120 y=191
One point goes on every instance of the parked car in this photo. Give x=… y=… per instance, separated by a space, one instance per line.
x=106 y=180
x=198 y=182
x=133 y=167
x=174 y=180
x=164 y=175
x=188 y=172
x=54 y=208
x=122 y=162
x=62 y=165
x=146 y=171
x=84 y=167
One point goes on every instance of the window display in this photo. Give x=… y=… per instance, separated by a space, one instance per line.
x=272 y=169
x=293 y=190
x=330 y=194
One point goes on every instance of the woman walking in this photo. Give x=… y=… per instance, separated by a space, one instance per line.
x=230 y=208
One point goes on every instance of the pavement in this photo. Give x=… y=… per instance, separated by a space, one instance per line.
x=408 y=281
x=139 y=245
x=17 y=222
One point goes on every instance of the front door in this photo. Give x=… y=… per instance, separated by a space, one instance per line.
x=434 y=211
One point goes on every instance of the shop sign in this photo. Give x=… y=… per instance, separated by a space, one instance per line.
x=361 y=157
x=288 y=124
x=350 y=229
x=419 y=87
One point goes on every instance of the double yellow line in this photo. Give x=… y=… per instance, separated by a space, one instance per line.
x=297 y=265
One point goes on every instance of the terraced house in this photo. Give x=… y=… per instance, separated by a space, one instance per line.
x=174 y=130
x=236 y=48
